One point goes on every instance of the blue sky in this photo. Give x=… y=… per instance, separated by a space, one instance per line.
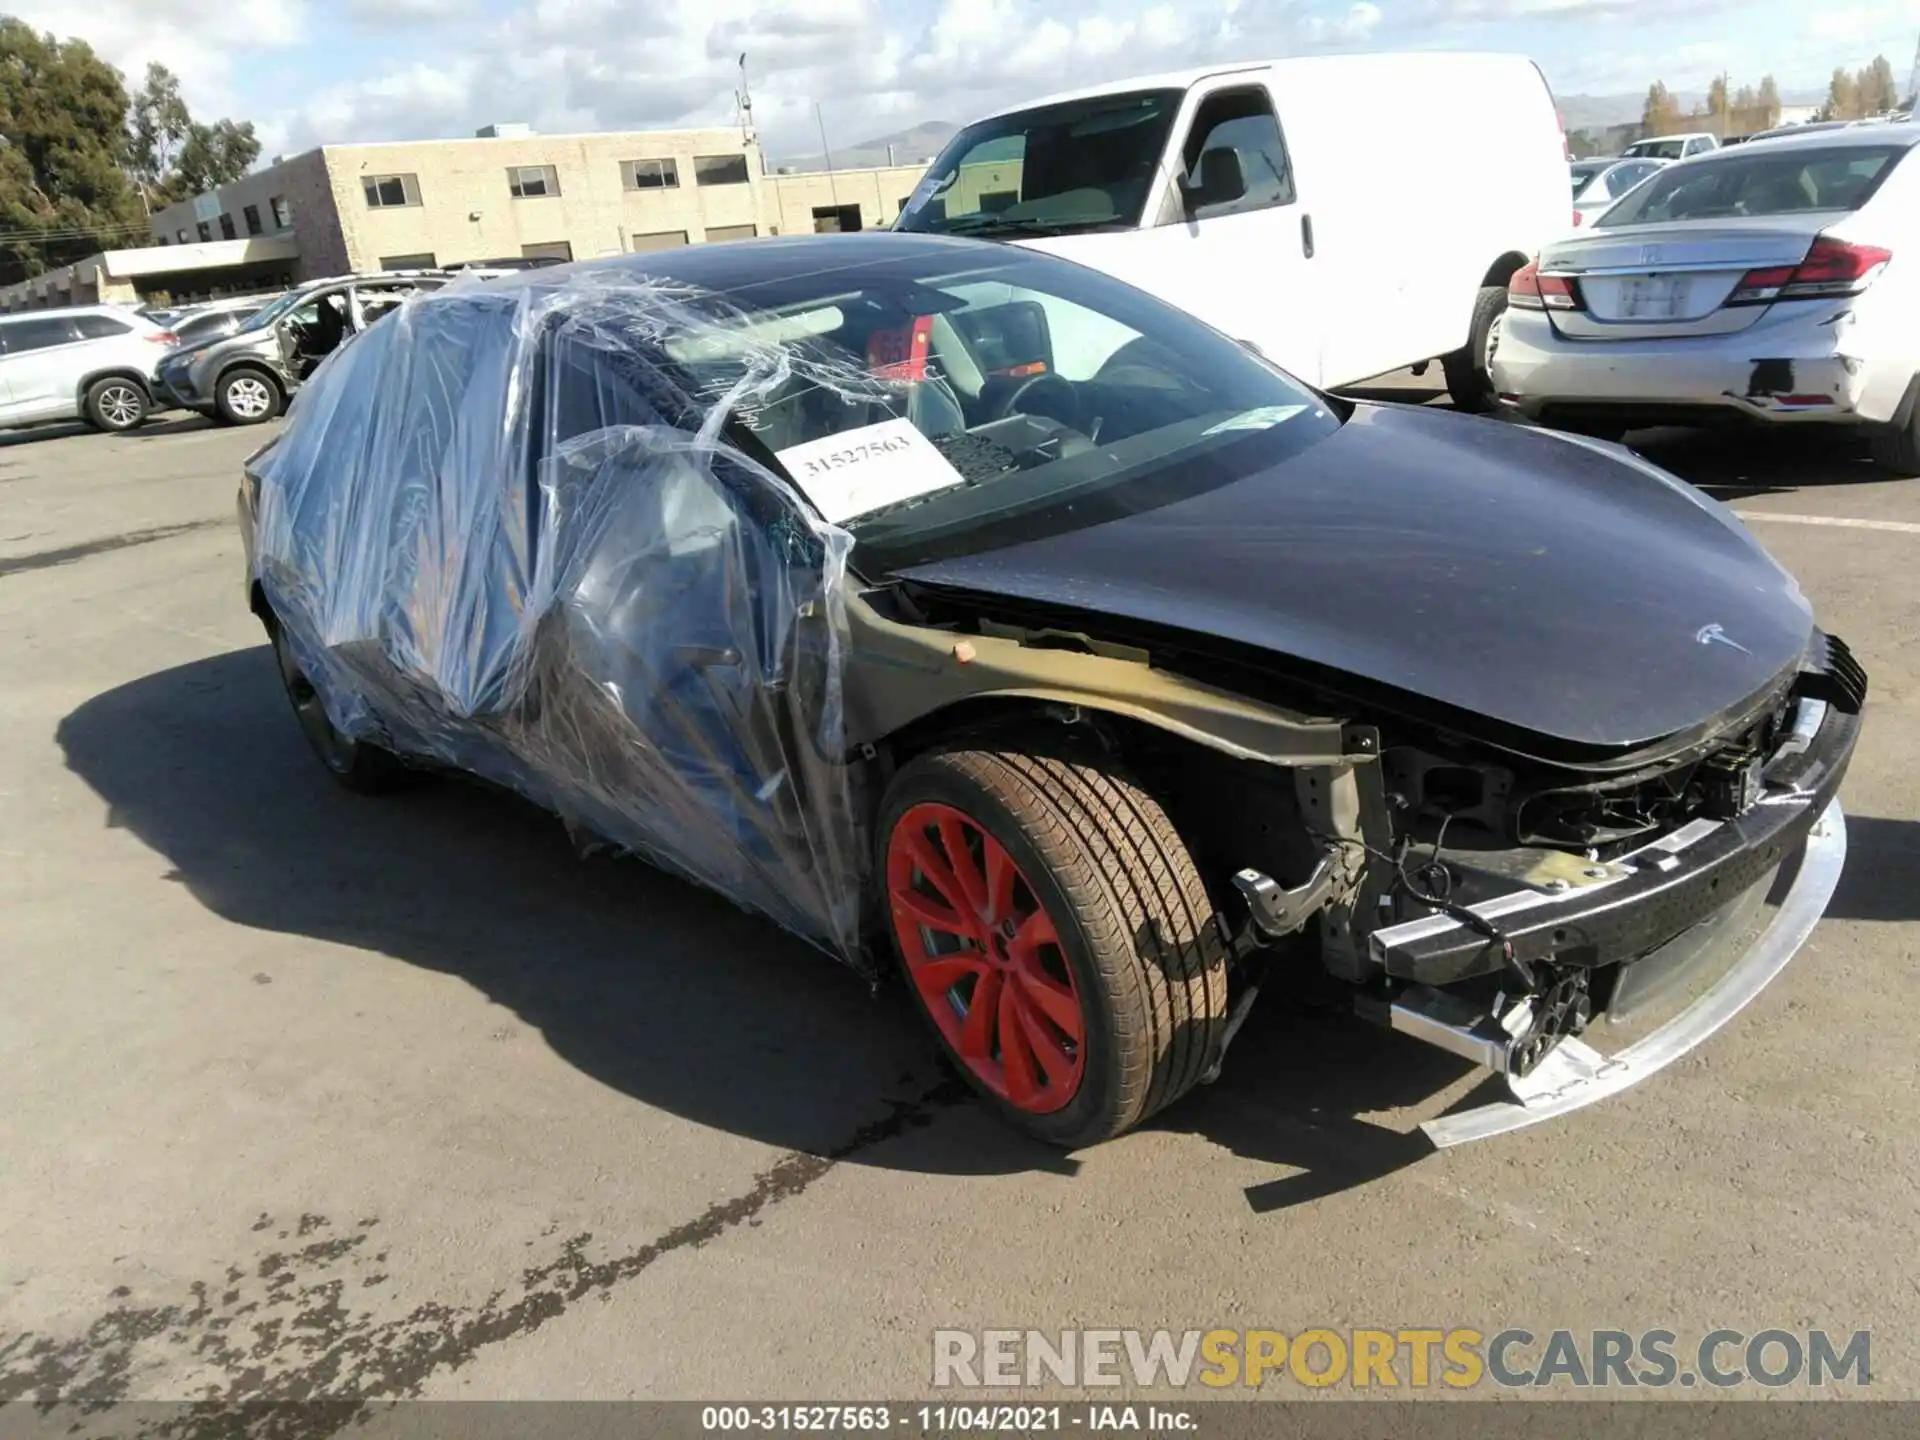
x=311 y=71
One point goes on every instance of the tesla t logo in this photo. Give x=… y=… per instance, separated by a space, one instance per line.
x=1714 y=635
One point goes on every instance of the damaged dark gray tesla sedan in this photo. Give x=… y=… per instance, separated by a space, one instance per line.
x=957 y=607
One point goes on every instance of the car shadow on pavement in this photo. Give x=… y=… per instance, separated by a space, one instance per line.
x=1882 y=878
x=171 y=424
x=1733 y=465
x=653 y=986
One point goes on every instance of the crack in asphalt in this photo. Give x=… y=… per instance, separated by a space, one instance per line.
x=67 y=554
x=297 y=1356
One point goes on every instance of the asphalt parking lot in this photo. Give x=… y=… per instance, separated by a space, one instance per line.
x=310 y=1094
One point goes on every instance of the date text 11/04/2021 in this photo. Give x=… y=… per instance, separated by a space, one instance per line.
x=1092 y=1419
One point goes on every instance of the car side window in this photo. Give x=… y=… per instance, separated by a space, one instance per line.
x=100 y=327
x=1696 y=147
x=24 y=336
x=1240 y=123
x=1623 y=178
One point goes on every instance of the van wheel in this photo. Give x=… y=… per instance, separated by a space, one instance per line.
x=1896 y=447
x=116 y=404
x=1470 y=370
x=1055 y=932
x=246 y=397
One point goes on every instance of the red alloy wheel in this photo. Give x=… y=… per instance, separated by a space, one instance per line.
x=986 y=958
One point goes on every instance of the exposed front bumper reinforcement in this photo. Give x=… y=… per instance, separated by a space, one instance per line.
x=1575 y=1075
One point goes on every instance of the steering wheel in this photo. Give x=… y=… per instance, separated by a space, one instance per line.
x=1047 y=395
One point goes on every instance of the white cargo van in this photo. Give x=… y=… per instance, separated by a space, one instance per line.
x=1346 y=215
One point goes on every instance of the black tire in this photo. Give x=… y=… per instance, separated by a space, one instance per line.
x=1135 y=927
x=1896 y=447
x=117 y=404
x=1469 y=377
x=362 y=768
x=247 y=395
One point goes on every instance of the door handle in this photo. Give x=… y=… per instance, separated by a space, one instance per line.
x=1306 y=235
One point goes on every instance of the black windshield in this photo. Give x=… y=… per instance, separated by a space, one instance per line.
x=1080 y=164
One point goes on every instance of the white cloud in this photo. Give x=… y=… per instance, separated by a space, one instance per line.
x=872 y=65
x=199 y=42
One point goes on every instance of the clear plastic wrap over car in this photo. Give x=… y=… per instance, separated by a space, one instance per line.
x=501 y=535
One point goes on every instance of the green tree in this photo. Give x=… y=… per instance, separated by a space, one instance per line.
x=157 y=126
x=174 y=156
x=63 y=191
x=1768 y=103
x=1718 y=105
x=1875 y=87
x=1843 y=98
x=215 y=154
x=1661 y=114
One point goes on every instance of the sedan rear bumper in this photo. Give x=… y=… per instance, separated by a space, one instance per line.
x=1797 y=373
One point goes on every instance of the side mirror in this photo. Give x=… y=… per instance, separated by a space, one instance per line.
x=1221 y=179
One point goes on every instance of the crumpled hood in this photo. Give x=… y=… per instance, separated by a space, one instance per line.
x=1558 y=586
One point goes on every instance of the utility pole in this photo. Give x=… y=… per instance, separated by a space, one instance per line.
x=833 y=185
x=743 y=102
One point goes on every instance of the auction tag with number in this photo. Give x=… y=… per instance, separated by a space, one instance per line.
x=858 y=471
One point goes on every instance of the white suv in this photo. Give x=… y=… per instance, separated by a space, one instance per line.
x=91 y=362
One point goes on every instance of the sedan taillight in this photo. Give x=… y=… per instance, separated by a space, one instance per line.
x=1530 y=290
x=1832 y=267
x=163 y=337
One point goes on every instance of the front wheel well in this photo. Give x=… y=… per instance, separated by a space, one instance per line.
x=114 y=372
x=257 y=367
x=1504 y=269
x=1231 y=813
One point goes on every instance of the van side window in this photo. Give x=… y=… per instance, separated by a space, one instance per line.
x=1243 y=122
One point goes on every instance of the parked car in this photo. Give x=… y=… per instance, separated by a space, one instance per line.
x=1607 y=185
x=1763 y=284
x=247 y=377
x=91 y=362
x=1270 y=199
x=967 y=610
x=1671 y=147
x=217 y=319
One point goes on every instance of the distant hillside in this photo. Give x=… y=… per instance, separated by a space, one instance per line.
x=914 y=146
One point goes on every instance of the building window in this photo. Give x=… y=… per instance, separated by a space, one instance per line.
x=658 y=240
x=719 y=169
x=649 y=174
x=732 y=232
x=206 y=230
x=251 y=214
x=834 y=219
x=531 y=182
x=181 y=235
x=282 y=210
x=387 y=192
x=425 y=260
x=227 y=232
x=548 y=250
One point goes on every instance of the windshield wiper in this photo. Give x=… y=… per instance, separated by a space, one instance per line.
x=1019 y=225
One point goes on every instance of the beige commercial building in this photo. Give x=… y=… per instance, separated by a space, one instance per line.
x=507 y=193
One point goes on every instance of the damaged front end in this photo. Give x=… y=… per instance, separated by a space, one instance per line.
x=1522 y=913
x=1499 y=908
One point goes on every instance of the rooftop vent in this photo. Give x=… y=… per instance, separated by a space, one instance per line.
x=505 y=130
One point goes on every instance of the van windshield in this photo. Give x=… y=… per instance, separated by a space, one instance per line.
x=1078 y=165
